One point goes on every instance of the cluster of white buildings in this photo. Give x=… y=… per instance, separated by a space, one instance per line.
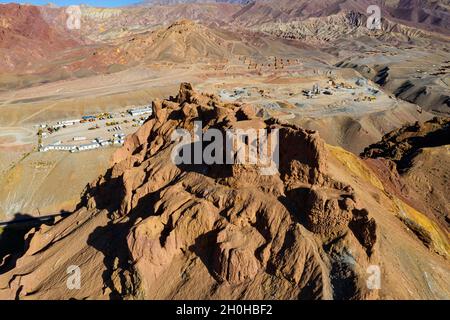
x=62 y=124
x=119 y=139
x=88 y=146
x=57 y=147
x=71 y=148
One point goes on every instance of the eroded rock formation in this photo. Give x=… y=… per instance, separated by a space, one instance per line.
x=150 y=228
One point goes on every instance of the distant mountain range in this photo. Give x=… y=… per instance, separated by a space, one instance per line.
x=172 y=2
x=426 y=13
x=38 y=32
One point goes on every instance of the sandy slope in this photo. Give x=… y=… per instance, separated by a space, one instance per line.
x=43 y=184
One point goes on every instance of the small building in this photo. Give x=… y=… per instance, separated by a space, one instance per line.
x=69 y=122
x=57 y=147
x=65 y=147
x=119 y=135
x=119 y=142
x=90 y=146
x=140 y=111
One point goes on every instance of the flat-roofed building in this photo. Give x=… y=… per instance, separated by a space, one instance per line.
x=57 y=147
x=90 y=146
x=140 y=111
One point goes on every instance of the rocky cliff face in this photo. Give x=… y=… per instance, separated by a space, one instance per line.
x=240 y=223
x=152 y=229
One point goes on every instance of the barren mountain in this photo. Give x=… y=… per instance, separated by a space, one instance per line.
x=183 y=41
x=403 y=144
x=106 y=24
x=430 y=15
x=144 y=227
x=106 y=33
x=343 y=25
x=25 y=37
x=151 y=229
x=434 y=14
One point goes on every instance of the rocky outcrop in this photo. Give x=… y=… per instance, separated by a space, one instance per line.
x=403 y=144
x=230 y=215
x=151 y=228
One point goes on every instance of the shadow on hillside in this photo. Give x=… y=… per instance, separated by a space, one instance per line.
x=12 y=240
x=204 y=249
x=107 y=194
x=111 y=240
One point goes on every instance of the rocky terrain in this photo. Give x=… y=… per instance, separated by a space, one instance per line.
x=141 y=227
x=403 y=144
x=344 y=25
x=420 y=154
x=430 y=15
x=419 y=80
x=151 y=229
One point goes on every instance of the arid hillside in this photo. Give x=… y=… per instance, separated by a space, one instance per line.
x=149 y=228
x=356 y=183
x=25 y=37
x=419 y=154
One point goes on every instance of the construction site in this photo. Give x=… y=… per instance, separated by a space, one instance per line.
x=310 y=96
x=91 y=131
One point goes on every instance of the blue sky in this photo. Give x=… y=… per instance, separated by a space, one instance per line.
x=97 y=3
